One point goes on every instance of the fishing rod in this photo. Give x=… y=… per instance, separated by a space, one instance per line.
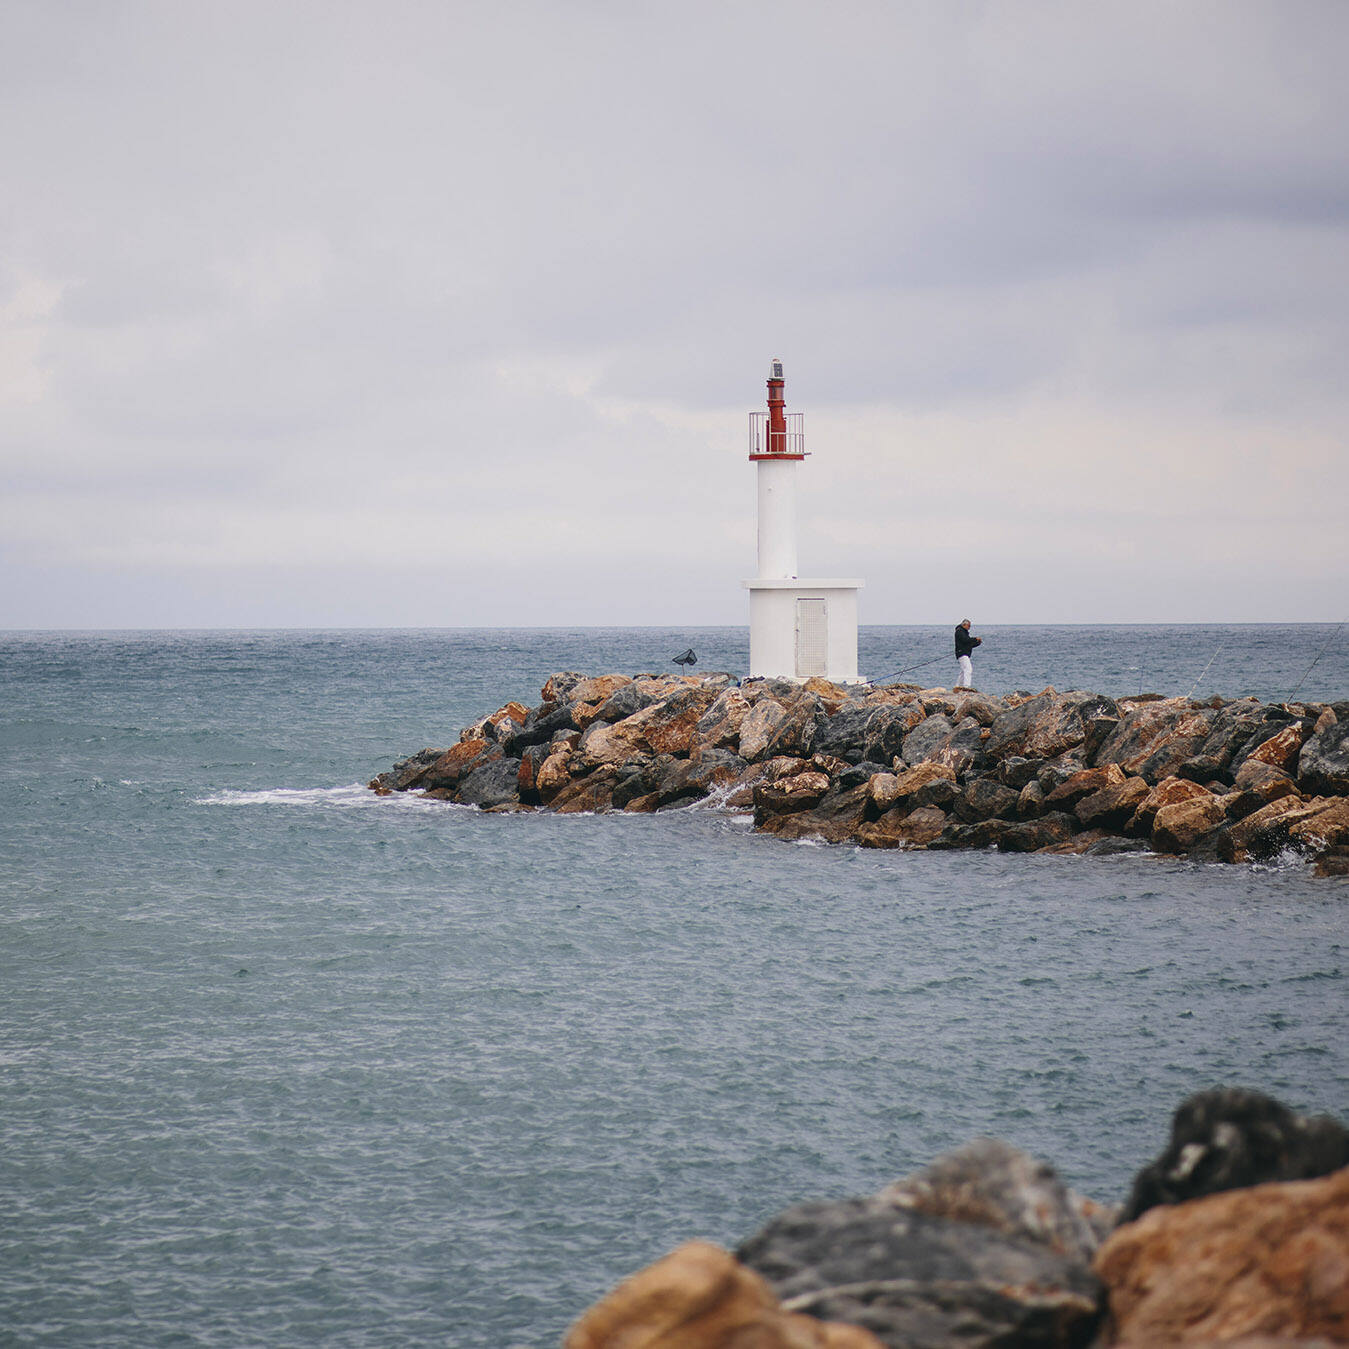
x=1202 y=672
x=1316 y=658
x=907 y=669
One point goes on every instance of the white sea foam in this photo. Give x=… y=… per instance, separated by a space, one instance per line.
x=353 y=796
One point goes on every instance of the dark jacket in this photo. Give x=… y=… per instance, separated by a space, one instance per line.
x=965 y=643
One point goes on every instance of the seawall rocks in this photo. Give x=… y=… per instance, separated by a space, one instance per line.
x=1237 y=1232
x=907 y=767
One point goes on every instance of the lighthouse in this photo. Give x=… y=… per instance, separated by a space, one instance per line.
x=797 y=627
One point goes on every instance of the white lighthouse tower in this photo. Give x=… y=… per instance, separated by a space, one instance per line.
x=797 y=627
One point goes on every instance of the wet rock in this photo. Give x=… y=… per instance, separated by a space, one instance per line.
x=1178 y=828
x=1269 y=1261
x=1049 y=831
x=591 y=794
x=912 y=1278
x=406 y=773
x=1325 y=827
x=834 y=818
x=1229 y=1137
x=457 y=763
x=1265 y=832
x=903 y=828
x=1323 y=764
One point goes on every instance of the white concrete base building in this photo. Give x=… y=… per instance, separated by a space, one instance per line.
x=798 y=626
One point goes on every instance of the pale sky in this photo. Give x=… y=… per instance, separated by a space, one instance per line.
x=450 y=314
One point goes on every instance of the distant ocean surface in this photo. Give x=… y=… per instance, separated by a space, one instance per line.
x=285 y=1063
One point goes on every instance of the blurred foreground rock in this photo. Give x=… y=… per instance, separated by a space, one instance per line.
x=986 y=1247
x=904 y=767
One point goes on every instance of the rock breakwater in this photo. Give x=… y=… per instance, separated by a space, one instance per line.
x=908 y=767
x=1237 y=1233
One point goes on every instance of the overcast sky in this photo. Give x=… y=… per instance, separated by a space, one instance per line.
x=441 y=314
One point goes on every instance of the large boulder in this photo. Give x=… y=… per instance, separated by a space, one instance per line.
x=1178 y=828
x=872 y=731
x=834 y=818
x=1113 y=806
x=1323 y=764
x=1085 y=782
x=996 y=1185
x=719 y=727
x=493 y=781
x=1154 y=739
x=958 y=746
x=912 y=1278
x=1168 y=792
x=1050 y=724
x=1266 y=1264
x=985 y=799
x=700 y=1297
x=1049 y=831
x=666 y=727
x=1228 y=1137
x=900 y=827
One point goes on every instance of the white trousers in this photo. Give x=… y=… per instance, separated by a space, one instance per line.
x=966 y=671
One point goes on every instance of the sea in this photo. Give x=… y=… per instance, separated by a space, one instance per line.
x=286 y=1063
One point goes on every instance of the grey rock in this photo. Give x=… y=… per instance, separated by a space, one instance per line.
x=1323 y=765
x=914 y=1279
x=493 y=783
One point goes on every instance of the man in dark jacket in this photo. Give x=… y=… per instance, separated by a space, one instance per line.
x=964 y=645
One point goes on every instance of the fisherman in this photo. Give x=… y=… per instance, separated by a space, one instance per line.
x=965 y=644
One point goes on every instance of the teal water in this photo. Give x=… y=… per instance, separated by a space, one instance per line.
x=282 y=1062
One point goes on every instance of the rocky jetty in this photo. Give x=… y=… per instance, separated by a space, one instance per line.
x=908 y=767
x=1237 y=1233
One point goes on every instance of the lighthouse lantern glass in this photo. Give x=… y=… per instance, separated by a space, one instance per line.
x=776 y=370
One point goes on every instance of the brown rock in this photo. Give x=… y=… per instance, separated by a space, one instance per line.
x=700 y=1297
x=720 y=725
x=1177 y=828
x=1256 y=773
x=1082 y=784
x=1280 y=750
x=835 y=818
x=667 y=727
x=1326 y=828
x=1047 y=725
x=1154 y=739
x=553 y=775
x=457 y=763
x=1264 y=832
x=1269 y=1260
x=1114 y=806
x=899 y=828
x=1052 y=831
x=799 y=792
x=758 y=726
x=594 y=793
x=1168 y=792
